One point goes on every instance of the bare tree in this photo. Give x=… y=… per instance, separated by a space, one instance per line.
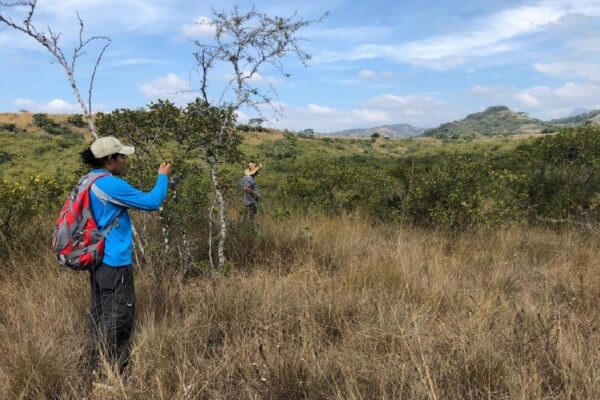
x=247 y=43
x=50 y=40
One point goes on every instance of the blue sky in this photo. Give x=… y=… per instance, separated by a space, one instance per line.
x=379 y=62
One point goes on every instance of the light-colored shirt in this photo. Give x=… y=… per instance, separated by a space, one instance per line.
x=249 y=181
x=111 y=197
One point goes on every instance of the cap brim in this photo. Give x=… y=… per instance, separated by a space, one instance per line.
x=127 y=150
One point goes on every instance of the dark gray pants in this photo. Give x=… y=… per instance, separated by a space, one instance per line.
x=251 y=211
x=111 y=313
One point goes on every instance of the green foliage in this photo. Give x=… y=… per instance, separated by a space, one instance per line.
x=286 y=148
x=5 y=156
x=337 y=185
x=565 y=178
x=555 y=178
x=494 y=121
x=21 y=201
x=191 y=138
x=458 y=191
x=581 y=119
x=50 y=126
x=8 y=127
x=307 y=133
x=76 y=120
x=447 y=192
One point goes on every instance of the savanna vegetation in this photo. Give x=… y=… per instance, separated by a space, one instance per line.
x=378 y=268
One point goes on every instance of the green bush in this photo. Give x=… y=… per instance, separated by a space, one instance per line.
x=8 y=127
x=5 y=156
x=76 y=120
x=564 y=178
x=50 y=126
x=22 y=201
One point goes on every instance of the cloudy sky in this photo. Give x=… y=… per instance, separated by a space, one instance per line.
x=380 y=62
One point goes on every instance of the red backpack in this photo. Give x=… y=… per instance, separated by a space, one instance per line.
x=78 y=243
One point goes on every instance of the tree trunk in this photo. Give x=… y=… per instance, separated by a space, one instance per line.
x=84 y=109
x=214 y=171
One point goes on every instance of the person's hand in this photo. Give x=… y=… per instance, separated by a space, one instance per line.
x=165 y=168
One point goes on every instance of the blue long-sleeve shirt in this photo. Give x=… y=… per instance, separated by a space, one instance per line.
x=111 y=197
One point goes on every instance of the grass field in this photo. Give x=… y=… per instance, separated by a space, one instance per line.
x=328 y=308
x=316 y=303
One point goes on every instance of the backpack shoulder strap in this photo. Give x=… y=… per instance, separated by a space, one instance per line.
x=92 y=178
x=115 y=222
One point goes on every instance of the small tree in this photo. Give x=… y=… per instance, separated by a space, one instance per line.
x=163 y=131
x=246 y=43
x=256 y=123
x=50 y=40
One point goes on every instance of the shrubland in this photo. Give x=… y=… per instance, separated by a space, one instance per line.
x=377 y=269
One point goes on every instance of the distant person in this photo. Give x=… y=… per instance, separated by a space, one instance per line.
x=112 y=289
x=250 y=190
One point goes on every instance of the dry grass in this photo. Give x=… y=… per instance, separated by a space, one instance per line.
x=256 y=138
x=25 y=121
x=328 y=308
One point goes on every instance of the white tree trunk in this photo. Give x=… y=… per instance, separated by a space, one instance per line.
x=86 y=111
x=223 y=224
x=165 y=231
x=138 y=246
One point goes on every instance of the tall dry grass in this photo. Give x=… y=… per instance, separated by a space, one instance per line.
x=321 y=308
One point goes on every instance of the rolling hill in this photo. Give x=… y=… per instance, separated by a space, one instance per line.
x=493 y=121
x=393 y=131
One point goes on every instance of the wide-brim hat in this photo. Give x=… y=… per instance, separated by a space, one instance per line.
x=109 y=145
x=252 y=168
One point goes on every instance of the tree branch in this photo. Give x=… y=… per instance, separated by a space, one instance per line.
x=50 y=41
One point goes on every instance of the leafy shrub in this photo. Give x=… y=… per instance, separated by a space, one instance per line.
x=76 y=120
x=285 y=148
x=5 y=156
x=564 y=181
x=8 y=127
x=336 y=185
x=21 y=201
x=49 y=126
x=449 y=192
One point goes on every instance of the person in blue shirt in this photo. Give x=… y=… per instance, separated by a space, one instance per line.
x=112 y=289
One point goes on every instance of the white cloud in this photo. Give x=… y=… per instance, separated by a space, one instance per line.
x=385 y=109
x=199 y=29
x=528 y=100
x=101 y=17
x=348 y=34
x=255 y=79
x=497 y=33
x=132 y=15
x=542 y=101
x=320 y=109
x=570 y=69
x=586 y=45
x=55 y=106
x=170 y=87
x=367 y=74
x=259 y=79
x=138 y=61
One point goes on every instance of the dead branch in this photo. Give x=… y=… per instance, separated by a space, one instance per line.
x=50 y=40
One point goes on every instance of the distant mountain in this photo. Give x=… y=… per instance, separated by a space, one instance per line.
x=578 y=111
x=493 y=121
x=590 y=117
x=395 y=131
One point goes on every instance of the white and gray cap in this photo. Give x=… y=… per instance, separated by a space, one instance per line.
x=106 y=146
